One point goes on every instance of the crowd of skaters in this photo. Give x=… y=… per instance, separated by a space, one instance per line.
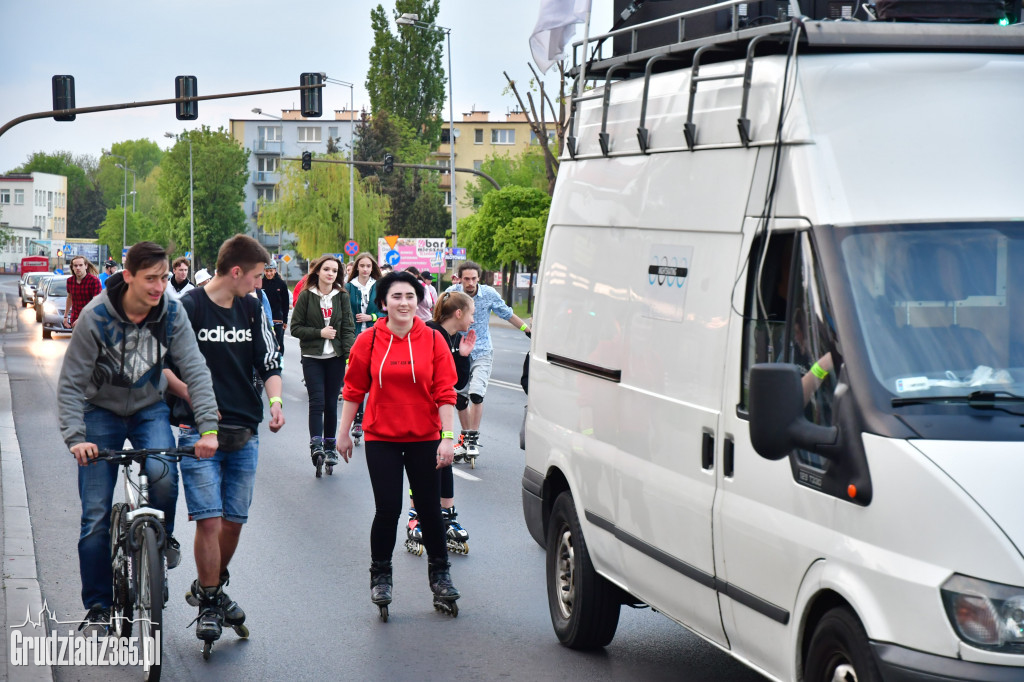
x=211 y=387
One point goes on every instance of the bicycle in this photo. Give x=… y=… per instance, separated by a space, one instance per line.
x=137 y=541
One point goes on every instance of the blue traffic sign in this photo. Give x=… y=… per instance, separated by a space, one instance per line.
x=392 y=257
x=124 y=252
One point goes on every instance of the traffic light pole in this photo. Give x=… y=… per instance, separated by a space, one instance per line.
x=436 y=169
x=152 y=103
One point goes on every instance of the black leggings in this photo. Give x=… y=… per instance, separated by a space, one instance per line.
x=323 y=382
x=385 y=462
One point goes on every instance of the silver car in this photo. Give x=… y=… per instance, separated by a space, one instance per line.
x=54 y=306
x=28 y=285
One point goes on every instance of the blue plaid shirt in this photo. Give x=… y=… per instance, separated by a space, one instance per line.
x=487 y=300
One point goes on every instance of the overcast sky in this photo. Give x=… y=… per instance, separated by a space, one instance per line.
x=124 y=51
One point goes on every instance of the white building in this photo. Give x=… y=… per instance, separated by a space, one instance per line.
x=34 y=210
x=269 y=139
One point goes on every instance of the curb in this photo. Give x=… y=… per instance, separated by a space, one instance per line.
x=22 y=596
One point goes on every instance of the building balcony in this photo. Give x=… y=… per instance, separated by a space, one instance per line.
x=444 y=182
x=264 y=178
x=268 y=147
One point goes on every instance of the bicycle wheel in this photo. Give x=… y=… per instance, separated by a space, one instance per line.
x=123 y=597
x=150 y=602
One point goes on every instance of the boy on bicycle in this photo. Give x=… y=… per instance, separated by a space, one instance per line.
x=111 y=389
x=238 y=343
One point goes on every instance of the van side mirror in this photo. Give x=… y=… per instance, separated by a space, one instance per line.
x=777 y=422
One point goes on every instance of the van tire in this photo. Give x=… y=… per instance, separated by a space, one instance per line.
x=584 y=606
x=839 y=640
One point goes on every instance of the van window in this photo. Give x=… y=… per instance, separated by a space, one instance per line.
x=787 y=319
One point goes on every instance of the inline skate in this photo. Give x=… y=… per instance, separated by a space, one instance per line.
x=317 y=454
x=472 y=448
x=210 y=621
x=380 y=586
x=445 y=594
x=330 y=455
x=460 y=448
x=234 y=616
x=456 y=535
x=414 y=534
x=356 y=433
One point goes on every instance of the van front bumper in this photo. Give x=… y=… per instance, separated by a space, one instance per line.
x=533 y=503
x=898 y=664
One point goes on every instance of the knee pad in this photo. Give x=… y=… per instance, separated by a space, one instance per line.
x=461 y=402
x=476 y=399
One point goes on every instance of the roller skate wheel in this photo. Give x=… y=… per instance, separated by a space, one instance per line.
x=330 y=469
x=207 y=649
x=241 y=630
x=383 y=614
x=472 y=462
x=319 y=467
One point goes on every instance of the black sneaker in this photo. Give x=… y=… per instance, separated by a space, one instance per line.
x=172 y=550
x=97 y=620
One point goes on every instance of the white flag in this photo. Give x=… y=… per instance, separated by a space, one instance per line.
x=555 y=27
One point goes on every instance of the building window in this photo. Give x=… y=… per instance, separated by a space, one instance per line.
x=19 y=197
x=267 y=194
x=478 y=164
x=443 y=163
x=332 y=132
x=266 y=164
x=503 y=136
x=533 y=137
x=5 y=196
x=270 y=133
x=447 y=198
x=478 y=136
x=309 y=134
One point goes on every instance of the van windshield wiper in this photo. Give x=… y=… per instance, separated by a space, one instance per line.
x=981 y=400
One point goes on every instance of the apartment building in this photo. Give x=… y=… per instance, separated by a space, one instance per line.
x=34 y=211
x=270 y=139
x=478 y=138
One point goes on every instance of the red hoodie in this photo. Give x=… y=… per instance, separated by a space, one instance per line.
x=407 y=379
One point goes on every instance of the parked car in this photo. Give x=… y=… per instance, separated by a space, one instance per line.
x=40 y=295
x=53 y=307
x=28 y=284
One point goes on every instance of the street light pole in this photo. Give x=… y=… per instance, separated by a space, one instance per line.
x=124 y=201
x=191 y=207
x=412 y=19
x=351 y=156
x=135 y=178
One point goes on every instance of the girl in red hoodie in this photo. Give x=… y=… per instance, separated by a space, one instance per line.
x=406 y=372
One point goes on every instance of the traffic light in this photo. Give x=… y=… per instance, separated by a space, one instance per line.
x=312 y=99
x=63 y=96
x=307 y=161
x=186 y=86
x=389 y=163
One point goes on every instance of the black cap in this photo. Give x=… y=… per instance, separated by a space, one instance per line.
x=110 y=263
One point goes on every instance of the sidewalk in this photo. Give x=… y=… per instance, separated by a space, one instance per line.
x=21 y=598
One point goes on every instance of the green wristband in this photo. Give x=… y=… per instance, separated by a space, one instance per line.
x=447 y=434
x=207 y=433
x=817 y=371
x=276 y=399
x=523 y=328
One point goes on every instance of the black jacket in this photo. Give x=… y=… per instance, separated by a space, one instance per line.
x=277 y=293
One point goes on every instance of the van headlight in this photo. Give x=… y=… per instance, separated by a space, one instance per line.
x=985 y=614
x=49 y=308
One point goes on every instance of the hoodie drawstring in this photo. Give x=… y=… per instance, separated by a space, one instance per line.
x=408 y=337
x=412 y=361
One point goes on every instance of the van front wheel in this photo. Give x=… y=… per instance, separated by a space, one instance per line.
x=840 y=650
x=584 y=606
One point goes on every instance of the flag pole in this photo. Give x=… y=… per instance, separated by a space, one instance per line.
x=583 y=66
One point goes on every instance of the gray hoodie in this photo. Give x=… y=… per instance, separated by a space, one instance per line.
x=116 y=364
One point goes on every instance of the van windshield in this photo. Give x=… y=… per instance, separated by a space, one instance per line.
x=941 y=307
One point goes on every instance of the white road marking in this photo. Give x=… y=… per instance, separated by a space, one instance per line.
x=463 y=474
x=506 y=384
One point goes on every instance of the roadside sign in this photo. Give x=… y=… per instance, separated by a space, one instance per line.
x=391 y=239
x=392 y=257
x=188 y=254
x=352 y=247
x=286 y=258
x=455 y=254
x=124 y=253
x=67 y=249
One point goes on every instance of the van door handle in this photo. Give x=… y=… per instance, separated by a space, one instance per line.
x=728 y=457
x=707 y=451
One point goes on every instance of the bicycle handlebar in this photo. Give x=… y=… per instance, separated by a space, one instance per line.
x=136 y=455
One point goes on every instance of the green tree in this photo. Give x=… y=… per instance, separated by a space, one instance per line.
x=139 y=227
x=406 y=74
x=484 y=232
x=141 y=156
x=525 y=170
x=417 y=204
x=85 y=205
x=314 y=205
x=219 y=171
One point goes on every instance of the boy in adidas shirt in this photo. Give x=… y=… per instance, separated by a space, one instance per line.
x=236 y=340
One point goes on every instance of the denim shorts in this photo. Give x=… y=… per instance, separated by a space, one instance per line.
x=221 y=485
x=479 y=376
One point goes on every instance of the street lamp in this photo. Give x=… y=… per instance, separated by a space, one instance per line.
x=257 y=110
x=351 y=156
x=134 y=178
x=191 y=207
x=412 y=19
x=124 y=204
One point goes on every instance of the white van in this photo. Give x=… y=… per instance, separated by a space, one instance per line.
x=777 y=370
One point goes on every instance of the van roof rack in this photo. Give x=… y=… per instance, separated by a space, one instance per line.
x=818 y=35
